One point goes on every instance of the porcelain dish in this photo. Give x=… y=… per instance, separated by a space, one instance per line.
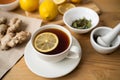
x=100 y=31
x=9 y=6
x=79 y=13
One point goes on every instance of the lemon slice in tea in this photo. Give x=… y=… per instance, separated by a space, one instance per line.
x=59 y=1
x=46 y=42
x=64 y=7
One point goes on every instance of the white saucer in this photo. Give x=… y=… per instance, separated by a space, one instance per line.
x=50 y=70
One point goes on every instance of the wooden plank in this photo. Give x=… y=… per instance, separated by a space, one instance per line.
x=59 y=20
x=93 y=65
x=88 y=4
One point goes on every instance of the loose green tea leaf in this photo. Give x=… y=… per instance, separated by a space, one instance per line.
x=82 y=24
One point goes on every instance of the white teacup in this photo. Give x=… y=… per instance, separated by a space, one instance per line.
x=71 y=51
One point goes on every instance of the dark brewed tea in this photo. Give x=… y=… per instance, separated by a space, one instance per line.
x=63 y=41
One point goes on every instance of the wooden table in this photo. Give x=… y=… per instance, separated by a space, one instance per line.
x=93 y=66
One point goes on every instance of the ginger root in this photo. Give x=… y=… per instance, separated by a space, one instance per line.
x=19 y=38
x=5 y=40
x=3 y=26
x=3 y=29
x=9 y=36
x=3 y=20
x=14 y=25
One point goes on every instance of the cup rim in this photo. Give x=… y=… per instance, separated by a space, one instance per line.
x=49 y=25
x=107 y=48
x=11 y=3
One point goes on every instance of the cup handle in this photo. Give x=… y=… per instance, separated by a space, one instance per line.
x=74 y=52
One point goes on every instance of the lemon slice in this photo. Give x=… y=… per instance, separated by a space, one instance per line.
x=64 y=7
x=59 y=1
x=46 y=42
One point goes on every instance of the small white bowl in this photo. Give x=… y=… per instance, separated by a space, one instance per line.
x=9 y=6
x=100 y=31
x=79 y=13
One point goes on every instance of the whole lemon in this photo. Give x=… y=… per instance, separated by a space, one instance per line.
x=29 y=5
x=48 y=10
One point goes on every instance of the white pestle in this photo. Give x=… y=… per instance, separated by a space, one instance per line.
x=109 y=37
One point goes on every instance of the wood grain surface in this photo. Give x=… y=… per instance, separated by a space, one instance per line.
x=93 y=66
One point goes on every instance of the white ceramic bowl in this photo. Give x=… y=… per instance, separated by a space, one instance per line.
x=102 y=31
x=78 y=13
x=9 y=6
